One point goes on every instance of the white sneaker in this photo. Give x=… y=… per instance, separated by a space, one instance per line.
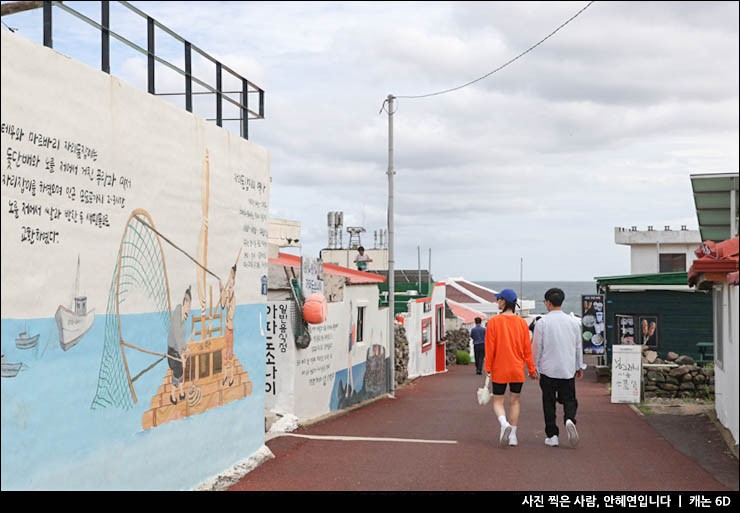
x=505 y=436
x=573 y=437
x=552 y=441
x=513 y=440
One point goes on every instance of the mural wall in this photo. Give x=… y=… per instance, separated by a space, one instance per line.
x=134 y=245
x=346 y=362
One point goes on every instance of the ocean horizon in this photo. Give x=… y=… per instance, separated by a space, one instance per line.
x=535 y=290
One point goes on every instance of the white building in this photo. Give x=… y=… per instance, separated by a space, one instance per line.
x=658 y=251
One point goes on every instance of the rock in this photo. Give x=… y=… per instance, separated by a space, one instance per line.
x=679 y=371
x=685 y=360
x=687 y=377
x=668 y=386
x=671 y=356
x=650 y=356
x=687 y=385
x=653 y=375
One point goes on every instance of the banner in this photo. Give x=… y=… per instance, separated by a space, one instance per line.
x=592 y=324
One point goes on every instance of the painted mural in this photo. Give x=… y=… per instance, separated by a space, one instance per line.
x=336 y=370
x=134 y=247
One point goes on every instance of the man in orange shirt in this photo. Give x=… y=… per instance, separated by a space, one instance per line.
x=508 y=349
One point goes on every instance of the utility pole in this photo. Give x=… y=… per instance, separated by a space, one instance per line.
x=391 y=262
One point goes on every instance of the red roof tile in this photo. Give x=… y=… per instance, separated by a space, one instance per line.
x=354 y=277
x=715 y=260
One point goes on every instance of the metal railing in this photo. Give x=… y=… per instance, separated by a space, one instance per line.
x=247 y=88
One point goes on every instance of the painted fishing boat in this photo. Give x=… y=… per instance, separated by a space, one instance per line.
x=74 y=322
x=10 y=370
x=202 y=371
x=23 y=341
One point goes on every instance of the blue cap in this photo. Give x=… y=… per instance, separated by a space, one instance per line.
x=508 y=295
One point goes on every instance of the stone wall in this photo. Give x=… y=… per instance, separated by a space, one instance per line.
x=401 y=356
x=456 y=340
x=677 y=376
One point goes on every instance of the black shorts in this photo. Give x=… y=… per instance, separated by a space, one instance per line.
x=500 y=388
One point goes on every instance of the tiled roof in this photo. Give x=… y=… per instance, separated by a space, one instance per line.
x=715 y=262
x=354 y=277
x=465 y=313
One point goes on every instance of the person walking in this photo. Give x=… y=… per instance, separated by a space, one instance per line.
x=508 y=349
x=478 y=334
x=558 y=354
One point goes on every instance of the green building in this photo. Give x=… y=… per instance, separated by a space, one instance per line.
x=659 y=310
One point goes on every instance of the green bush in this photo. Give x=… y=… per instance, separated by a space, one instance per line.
x=463 y=357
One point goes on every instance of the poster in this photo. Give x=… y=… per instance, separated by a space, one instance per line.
x=592 y=324
x=626 y=373
x=626 y=329
x=649 y=330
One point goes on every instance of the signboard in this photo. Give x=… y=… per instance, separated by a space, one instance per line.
x=312 y=276
x=592 y=324
x=626 y=373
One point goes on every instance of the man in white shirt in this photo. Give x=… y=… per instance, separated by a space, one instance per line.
x=558 y=356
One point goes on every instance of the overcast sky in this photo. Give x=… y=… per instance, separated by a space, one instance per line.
x=599 y=126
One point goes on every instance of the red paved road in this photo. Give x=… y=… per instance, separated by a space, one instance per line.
x=619 y=450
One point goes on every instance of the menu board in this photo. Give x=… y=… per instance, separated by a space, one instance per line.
x=625 y=329
x=592 y=324
x=626 y=373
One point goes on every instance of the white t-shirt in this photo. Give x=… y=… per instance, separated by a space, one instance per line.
x=557 y=345
x=362 y=260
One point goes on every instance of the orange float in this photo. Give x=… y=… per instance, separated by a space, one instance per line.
x=315 y=309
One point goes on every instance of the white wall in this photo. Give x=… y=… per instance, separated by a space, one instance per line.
x=311 y=382
x=727 y=377
x=115 y=149
x=644 y=259
x=422 y=359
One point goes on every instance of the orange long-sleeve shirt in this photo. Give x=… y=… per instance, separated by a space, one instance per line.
x=508 y=349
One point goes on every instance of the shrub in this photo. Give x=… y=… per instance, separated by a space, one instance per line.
x=463 y=357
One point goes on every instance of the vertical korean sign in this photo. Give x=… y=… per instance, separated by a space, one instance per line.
x=592 y=324
x=626 y=373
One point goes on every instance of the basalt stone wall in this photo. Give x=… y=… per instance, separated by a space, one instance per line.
x=677 y=376
x=456 y=340
x=401 y=355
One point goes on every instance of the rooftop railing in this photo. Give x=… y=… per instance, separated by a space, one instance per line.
x=241 y=96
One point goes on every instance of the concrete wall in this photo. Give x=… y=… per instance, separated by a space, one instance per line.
x=83 y=152
x=647 y=245
x=312 y=382
x=726 y=376
x=420 y=322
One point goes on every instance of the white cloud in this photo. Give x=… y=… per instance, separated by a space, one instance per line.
x=599 y=126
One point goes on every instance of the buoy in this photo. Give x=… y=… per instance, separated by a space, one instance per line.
x=315 y=309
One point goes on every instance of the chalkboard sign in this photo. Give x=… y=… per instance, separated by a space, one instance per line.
x=626 y=373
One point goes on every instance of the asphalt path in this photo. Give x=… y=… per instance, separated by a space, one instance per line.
x=433 y=436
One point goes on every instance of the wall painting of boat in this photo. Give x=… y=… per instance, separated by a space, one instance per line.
x=74 y=323
x=23 y=341
x=10 y=370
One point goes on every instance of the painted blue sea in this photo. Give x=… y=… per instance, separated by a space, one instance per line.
x=52 y=438
x=536 y=290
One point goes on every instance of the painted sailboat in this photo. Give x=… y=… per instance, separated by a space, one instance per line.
x=24 y=341
x=10 y=370
x=74 y=322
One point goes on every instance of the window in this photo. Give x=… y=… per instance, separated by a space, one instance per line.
x=672 y=262
x=360 y=323
x=426 y=334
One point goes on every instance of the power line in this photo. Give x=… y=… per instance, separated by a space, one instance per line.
x=505 y=64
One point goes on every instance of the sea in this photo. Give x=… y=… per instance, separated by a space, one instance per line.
x=536 y=290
